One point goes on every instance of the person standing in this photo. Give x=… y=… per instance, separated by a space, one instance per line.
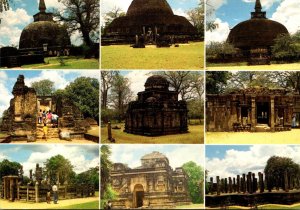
x=40 y=117
x=55 y=193
x=45 y=131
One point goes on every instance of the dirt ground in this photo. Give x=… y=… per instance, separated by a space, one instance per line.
x=286 y=137
x=61 y=203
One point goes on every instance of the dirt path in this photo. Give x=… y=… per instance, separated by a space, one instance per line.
x=24 y=205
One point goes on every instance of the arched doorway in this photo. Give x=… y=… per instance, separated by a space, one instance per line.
x=138 y=196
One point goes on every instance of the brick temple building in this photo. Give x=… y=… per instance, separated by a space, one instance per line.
x=252 y=109
x=157 y=110
x=154 y=184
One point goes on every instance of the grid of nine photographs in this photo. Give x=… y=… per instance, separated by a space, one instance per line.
x=138 y=104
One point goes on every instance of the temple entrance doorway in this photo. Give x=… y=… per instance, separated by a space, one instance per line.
x=262 y=112
x=138 y=196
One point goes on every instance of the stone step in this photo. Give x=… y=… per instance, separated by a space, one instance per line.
x=262 y=128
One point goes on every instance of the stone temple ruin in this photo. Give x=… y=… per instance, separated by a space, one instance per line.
x=20 y=119
x=154 y=184
x=151 y=20
x=253 y=109
x=14 y=188
x=249 y=190
x=157 y=110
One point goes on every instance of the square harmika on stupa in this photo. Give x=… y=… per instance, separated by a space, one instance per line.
x=150 y=15
x=154 y=184
x=157 y=110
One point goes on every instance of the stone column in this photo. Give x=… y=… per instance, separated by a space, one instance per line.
x=27 y=195
x=109 y=131
x=226 y=186
x=218 y=185
x=230 y=185
x=222 y=186
x=238 y=184
x=234 y=185
x=254 y=183
x=272 y=124
x=244 y=188
x=211 y=185
x=18 y=191
x=11 y=189
x=253 y=113
x=261 y=182
x=249 y=183
x=36 y=192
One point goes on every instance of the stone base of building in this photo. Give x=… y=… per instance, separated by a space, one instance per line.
x=156 y=132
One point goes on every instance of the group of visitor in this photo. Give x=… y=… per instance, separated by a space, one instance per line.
x=47 y=117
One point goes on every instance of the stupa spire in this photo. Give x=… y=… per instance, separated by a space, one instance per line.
x=42 y=6
x=258 y=6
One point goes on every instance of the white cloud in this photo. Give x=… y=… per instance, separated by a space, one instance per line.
x=220 y=34
x=180 y=12
x=107 y=5
x=4 y=92
x=288 y=14
x=264 y=3
x=72 y=153
x=137 y=80
x=2 y=157
x=76 y=38
x=53 y=4
x=11 y=20
x=254 y=160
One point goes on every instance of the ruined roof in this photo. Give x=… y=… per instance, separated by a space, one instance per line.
x=256 y=32
x=149 y=7
x=154 y=155
x=156 y=82
x=262 y=91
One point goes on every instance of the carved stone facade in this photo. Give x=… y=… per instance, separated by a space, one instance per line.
x=157 y=110
x=154 y=184
x=252 y=109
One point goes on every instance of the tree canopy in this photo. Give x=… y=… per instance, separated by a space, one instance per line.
x=195 y=175
x=43 y=87
x=106 y=165
x=196 y=17
x=9 y=168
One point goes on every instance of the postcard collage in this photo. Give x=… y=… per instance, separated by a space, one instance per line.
x=149 y=104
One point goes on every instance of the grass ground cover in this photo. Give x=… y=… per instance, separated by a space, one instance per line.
x=192 y=206
x=244 y=66
x=195 y=136
x=70 y=62
x=186 y=56
x=88 y=205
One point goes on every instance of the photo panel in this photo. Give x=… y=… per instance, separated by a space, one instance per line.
x=252 y=176
x=49 y=107
x=49 y=176
x=152 y=176
x=152 y=107
x=151 y=34
x=50 y=34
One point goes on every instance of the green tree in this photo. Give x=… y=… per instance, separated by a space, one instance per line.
x=109 y=16
x=121 y=94
x=59 y=169
x=276 y=168
x=83 y=16
x=196 y=17
x=195 y=175
x=90 y=177
x=216 y=81
x=220 y=50
x=9 y=168
x=286 y=48
x=106 y=165
x=84 y=93
x=43 y=87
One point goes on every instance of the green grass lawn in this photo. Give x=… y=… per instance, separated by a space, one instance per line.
x=195 y=136
x=186 y=56
x=192 y=206
x=88 y=205
x=70 y=62
x=244 y=66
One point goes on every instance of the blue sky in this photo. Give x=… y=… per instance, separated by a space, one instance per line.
x=20 y=15
x=82 y=157
x=232 y=160
x=60 y=78
x=228 y=13
x=177 y=154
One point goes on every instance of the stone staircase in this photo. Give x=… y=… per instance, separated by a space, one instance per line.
x=53 y=133
x=262 y=128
